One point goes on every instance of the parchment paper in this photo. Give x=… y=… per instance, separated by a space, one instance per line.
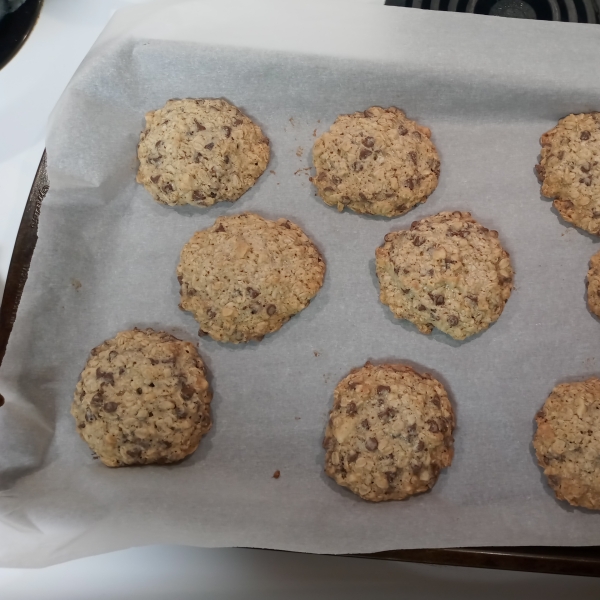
x=488 y=88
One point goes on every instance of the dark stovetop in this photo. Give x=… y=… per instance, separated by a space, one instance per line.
x=574 y=11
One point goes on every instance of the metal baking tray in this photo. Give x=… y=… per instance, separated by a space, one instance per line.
x=563 y=560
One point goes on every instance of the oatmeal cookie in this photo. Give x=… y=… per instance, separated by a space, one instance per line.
x=142 y=398
x=569 y=169
x=246 y=276
x=567 y=442
x=447 y=271
x=389 y=433
x=377 y=162
x=593 y=280
x=200 y=152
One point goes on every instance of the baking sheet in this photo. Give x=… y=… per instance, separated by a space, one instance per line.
x=107 y=253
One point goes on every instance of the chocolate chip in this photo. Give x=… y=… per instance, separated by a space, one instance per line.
x=321 y=176
x=98 y=399
x=472 y=298
x=166 y=444
x=135 y=453
x=416 y=469
x=335 y=180
x=139 y=391
x=187 y=391
x=108 y=377
x=409 y=183
x=276 y=475
x=197 y=195
x=436 y=401
x=81 y=426
x=418 y=240
x=416 y=135
x=352 y=457
x=585 y=169
x=413 y=156
x=220 y=228
x=181 y=413
x=433 y=426
x=286 y=224
x=227 y=131
x=371 y=444
x=110 y=407
x=402 y=130
x=328 y=189
x=554 y=480
x=209 y=146
x=271 y=309
x=252 y=292
x=362 y=196
x=167 y=188
x=226 y=159
x=438 y=299
x=358 y=167
x=197 y=157
x=326 y=442
x=351 y=409
x=390 y=476
x=422 y=307
x=383 y=388
x=352 y=384
x=202 y=333
x=199 y=125
x=89 y=416
x=585 y=135
x=452 y=320
x=155 y=178
x=237 y=122
x=365 y=423
x=561 y=155
x=369 y=142
x=364 y=153
x=587 y=181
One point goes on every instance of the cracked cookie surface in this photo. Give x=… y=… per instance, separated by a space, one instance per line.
x=389 y=433
x=567 y=442
x=447 y=271
x=569 y=169
x=142 y=398
x=377 y=162
x=199 y=152
x=246 y=276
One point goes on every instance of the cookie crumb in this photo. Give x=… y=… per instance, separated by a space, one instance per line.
x=291 y=120
x=276 y=475
x=76 y=284
x=300 y=151
x=272 y=172
x=314 y=133
x=301 y=170
x=316 y=353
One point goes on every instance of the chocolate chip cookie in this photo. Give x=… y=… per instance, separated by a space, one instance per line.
x=142 y=398
x=567 y=442
x=246 y=276
x=200 y=152
x=593 y=281
x=569 y=169
x=389 y=433
x=376 y=162
x=447 y=271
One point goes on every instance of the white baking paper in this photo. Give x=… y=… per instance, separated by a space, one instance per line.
x=488 y=88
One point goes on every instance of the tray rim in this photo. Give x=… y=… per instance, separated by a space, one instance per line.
x=557 y=560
